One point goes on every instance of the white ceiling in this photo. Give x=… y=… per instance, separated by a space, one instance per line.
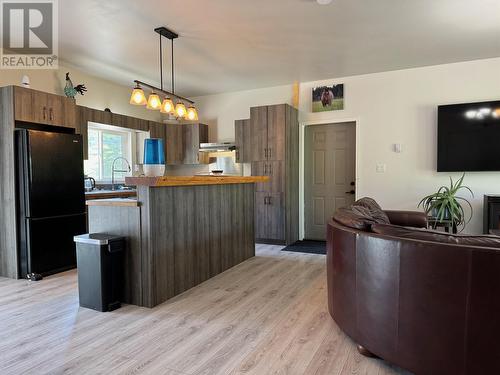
x=230 y=45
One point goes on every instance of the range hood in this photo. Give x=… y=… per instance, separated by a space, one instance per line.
x=217 y=147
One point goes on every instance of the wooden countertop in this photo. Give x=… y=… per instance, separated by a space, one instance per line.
x=119 y=202
x=100 y=194
x=193 y=180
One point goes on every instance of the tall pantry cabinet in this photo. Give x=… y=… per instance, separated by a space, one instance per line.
x=271 y=145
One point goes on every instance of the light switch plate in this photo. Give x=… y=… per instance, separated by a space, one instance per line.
x=398 y=148
x=381 y=168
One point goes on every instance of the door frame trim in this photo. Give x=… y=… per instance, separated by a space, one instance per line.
x=302 y=132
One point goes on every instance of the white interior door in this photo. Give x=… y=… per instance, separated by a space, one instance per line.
x=329 y=172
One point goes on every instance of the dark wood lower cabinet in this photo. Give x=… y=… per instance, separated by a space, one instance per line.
x=269 y=217
x=276 y=217
x=261 y=215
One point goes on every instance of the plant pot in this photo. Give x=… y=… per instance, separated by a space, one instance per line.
x=447 y=215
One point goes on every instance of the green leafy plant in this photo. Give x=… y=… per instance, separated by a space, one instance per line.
x=445 y=205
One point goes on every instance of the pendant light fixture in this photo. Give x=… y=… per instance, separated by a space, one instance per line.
x=192 y=114
x=159 y=98
x=154 y=101
x=138 y=97
x=167 y=106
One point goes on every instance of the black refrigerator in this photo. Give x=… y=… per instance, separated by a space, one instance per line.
x=50 y=200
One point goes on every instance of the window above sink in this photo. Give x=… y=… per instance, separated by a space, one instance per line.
x=105 y=144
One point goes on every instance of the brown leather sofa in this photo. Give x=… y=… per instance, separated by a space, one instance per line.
x=426 y=301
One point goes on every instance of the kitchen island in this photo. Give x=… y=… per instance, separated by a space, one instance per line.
x=180 y=231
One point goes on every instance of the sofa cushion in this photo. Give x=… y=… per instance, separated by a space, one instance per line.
x=436 y=236
x=358 y=217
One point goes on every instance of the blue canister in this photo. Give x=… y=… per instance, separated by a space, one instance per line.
x=154 y=151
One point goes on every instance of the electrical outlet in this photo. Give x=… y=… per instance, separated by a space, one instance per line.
x=381 y=168
x=398 y=148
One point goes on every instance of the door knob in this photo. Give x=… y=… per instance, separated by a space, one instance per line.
x=352 y=192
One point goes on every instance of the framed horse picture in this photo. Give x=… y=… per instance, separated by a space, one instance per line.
x=328 y=98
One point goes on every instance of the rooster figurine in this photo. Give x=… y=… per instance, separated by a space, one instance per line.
x=70 y=91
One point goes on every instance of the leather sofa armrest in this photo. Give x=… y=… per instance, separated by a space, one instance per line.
x=414 y=219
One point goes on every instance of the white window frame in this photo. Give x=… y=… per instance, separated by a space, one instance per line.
x=130 y=153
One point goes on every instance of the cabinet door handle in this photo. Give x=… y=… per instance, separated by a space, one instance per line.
x=44 y=113
x=270 y=200
x=51 y=114
x=265 y=152
x=265 y=200
x=269 y=153
x=270 y=169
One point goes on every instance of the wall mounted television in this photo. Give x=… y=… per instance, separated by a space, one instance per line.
x=469 y=137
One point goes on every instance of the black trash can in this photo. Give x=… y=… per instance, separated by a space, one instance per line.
x=99 y=259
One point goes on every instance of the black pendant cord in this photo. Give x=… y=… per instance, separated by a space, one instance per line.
x=161 y=65
x=173 y=89
x=169 y=34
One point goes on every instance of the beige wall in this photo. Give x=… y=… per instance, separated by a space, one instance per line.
x=390 y=107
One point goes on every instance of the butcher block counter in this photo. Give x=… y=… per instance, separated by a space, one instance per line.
x=193 y=180
x=180 y=232
x=105 y=194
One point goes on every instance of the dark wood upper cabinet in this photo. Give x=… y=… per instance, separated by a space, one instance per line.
x=182 y=141
x=23 y=104
x=44 y=108
x=174 y=144
x=192 y=136
x=258 y=133
x=276 y=132
x=267 y=133
x=243 y=141
x=137 y=123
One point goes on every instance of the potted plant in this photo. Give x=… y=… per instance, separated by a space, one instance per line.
x=445 y=205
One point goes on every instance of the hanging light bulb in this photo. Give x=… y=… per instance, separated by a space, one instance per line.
x=138 y=97
x=192 y=114
x=167 y=106
x=180 y=110
x=154 y=101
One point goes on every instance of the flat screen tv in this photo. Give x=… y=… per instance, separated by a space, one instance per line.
x=469 y=137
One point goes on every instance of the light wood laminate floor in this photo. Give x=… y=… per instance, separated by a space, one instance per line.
x=267 y=315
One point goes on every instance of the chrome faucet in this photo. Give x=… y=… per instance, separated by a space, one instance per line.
x=113 y=170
